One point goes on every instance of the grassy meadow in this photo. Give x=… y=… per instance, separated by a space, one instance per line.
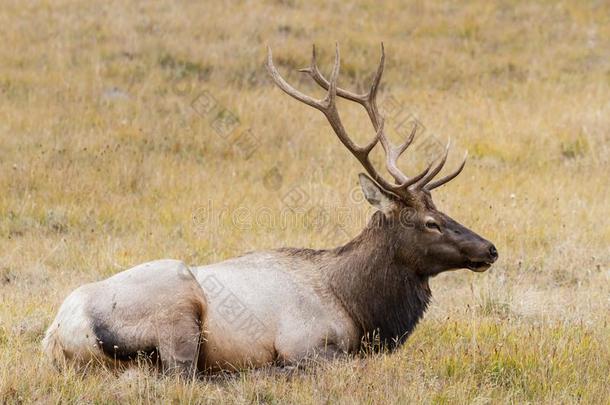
x=133 y=132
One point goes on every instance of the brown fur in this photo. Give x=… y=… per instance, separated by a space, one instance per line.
x=383 y=296
x=298 y=301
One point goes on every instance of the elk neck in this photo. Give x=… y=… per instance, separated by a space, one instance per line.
x=383 y=296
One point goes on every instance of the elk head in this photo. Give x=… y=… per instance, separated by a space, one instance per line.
x=427 y=239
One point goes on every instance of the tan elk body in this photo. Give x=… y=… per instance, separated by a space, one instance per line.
x=286 y=305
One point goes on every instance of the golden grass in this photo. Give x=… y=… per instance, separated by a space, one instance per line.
x=105 y=163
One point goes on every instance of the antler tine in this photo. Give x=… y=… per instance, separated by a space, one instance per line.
x=449 y=177
x=328 y=107
x=409 y=140
x=391 y=153
x=334 y=75
x=330 y=111
x=366 y=100
x=372 y=94
x=361 y=153
x=317 y=76
x=287 y=88
x=420 y=184
x=415 y=179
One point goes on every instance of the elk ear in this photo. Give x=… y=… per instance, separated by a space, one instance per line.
x=377 y=197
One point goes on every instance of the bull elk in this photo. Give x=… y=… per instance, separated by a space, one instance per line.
x=286 y=305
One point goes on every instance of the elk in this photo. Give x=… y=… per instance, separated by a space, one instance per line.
x=284 y=306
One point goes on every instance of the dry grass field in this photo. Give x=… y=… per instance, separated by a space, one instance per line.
x=132 y=132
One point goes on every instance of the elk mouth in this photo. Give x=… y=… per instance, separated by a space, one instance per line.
x=478 y=266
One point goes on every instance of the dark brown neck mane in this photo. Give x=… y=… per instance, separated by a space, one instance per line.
x=383 y=296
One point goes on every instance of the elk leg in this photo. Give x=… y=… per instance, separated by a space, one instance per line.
x=179 y=349
x=328 y=352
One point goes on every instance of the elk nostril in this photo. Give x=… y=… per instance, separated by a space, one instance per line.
x=493 y=253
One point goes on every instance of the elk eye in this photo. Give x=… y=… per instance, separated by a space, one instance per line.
x=433 y=225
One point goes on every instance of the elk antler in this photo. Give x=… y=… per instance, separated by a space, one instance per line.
x=404 y=185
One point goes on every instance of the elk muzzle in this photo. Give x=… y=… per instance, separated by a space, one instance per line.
x=481 y=256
